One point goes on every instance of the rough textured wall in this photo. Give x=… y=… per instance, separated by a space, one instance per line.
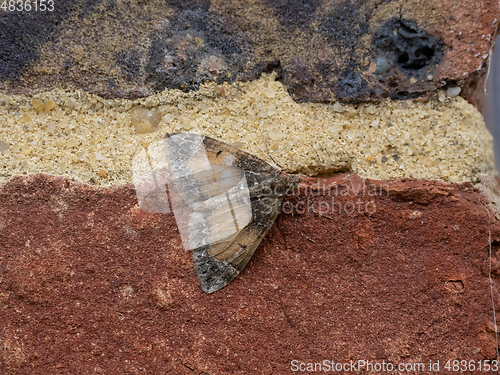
x=323 y=50
x=399 y=273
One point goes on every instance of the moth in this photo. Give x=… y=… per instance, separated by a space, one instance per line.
x=224 y=200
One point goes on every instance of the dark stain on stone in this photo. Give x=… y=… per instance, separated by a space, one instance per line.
x=325 y=68
x=68 y=64
x=346 y=25
x=89 y=7
x=268 y=67
x=182 y=5
x=404 y=95
x=344 y=28
x=350 y=85
x=300 y=72
x=293 y=13
x=198 y=46
x=195 y=41
x=22 y=34
x=400 y=49
x=407 y=47
x=130 y=64
x=114 y=89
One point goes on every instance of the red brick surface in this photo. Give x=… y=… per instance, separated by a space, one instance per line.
x=89 y=283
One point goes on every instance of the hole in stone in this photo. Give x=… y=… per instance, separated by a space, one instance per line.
x=424 y=51
x=455 y=286
x=407 y=46
x=403 y=58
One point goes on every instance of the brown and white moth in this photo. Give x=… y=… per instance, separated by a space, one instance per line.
x=224 y=200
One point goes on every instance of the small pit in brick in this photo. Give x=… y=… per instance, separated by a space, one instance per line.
x=455 y=286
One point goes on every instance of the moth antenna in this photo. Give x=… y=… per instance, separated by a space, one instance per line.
x=296 y=226
x=274 y=161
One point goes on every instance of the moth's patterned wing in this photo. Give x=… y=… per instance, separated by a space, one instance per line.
x=224 y=200
x=217 y=264
x=210 y=201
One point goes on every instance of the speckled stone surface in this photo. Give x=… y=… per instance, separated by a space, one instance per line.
x=322 y=50
x=89 y=283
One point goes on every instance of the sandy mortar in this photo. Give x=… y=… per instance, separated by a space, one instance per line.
x=93 y=139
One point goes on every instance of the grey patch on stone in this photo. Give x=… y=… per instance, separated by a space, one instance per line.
x=293 y=13
x=382 y=65
x=198 y=46
x=130 y=64
x=351 y=84
x=407 y=47
x=338 y=26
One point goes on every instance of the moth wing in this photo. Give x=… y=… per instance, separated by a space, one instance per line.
x=218 y=264
x=209 y=195
x=255 y=168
